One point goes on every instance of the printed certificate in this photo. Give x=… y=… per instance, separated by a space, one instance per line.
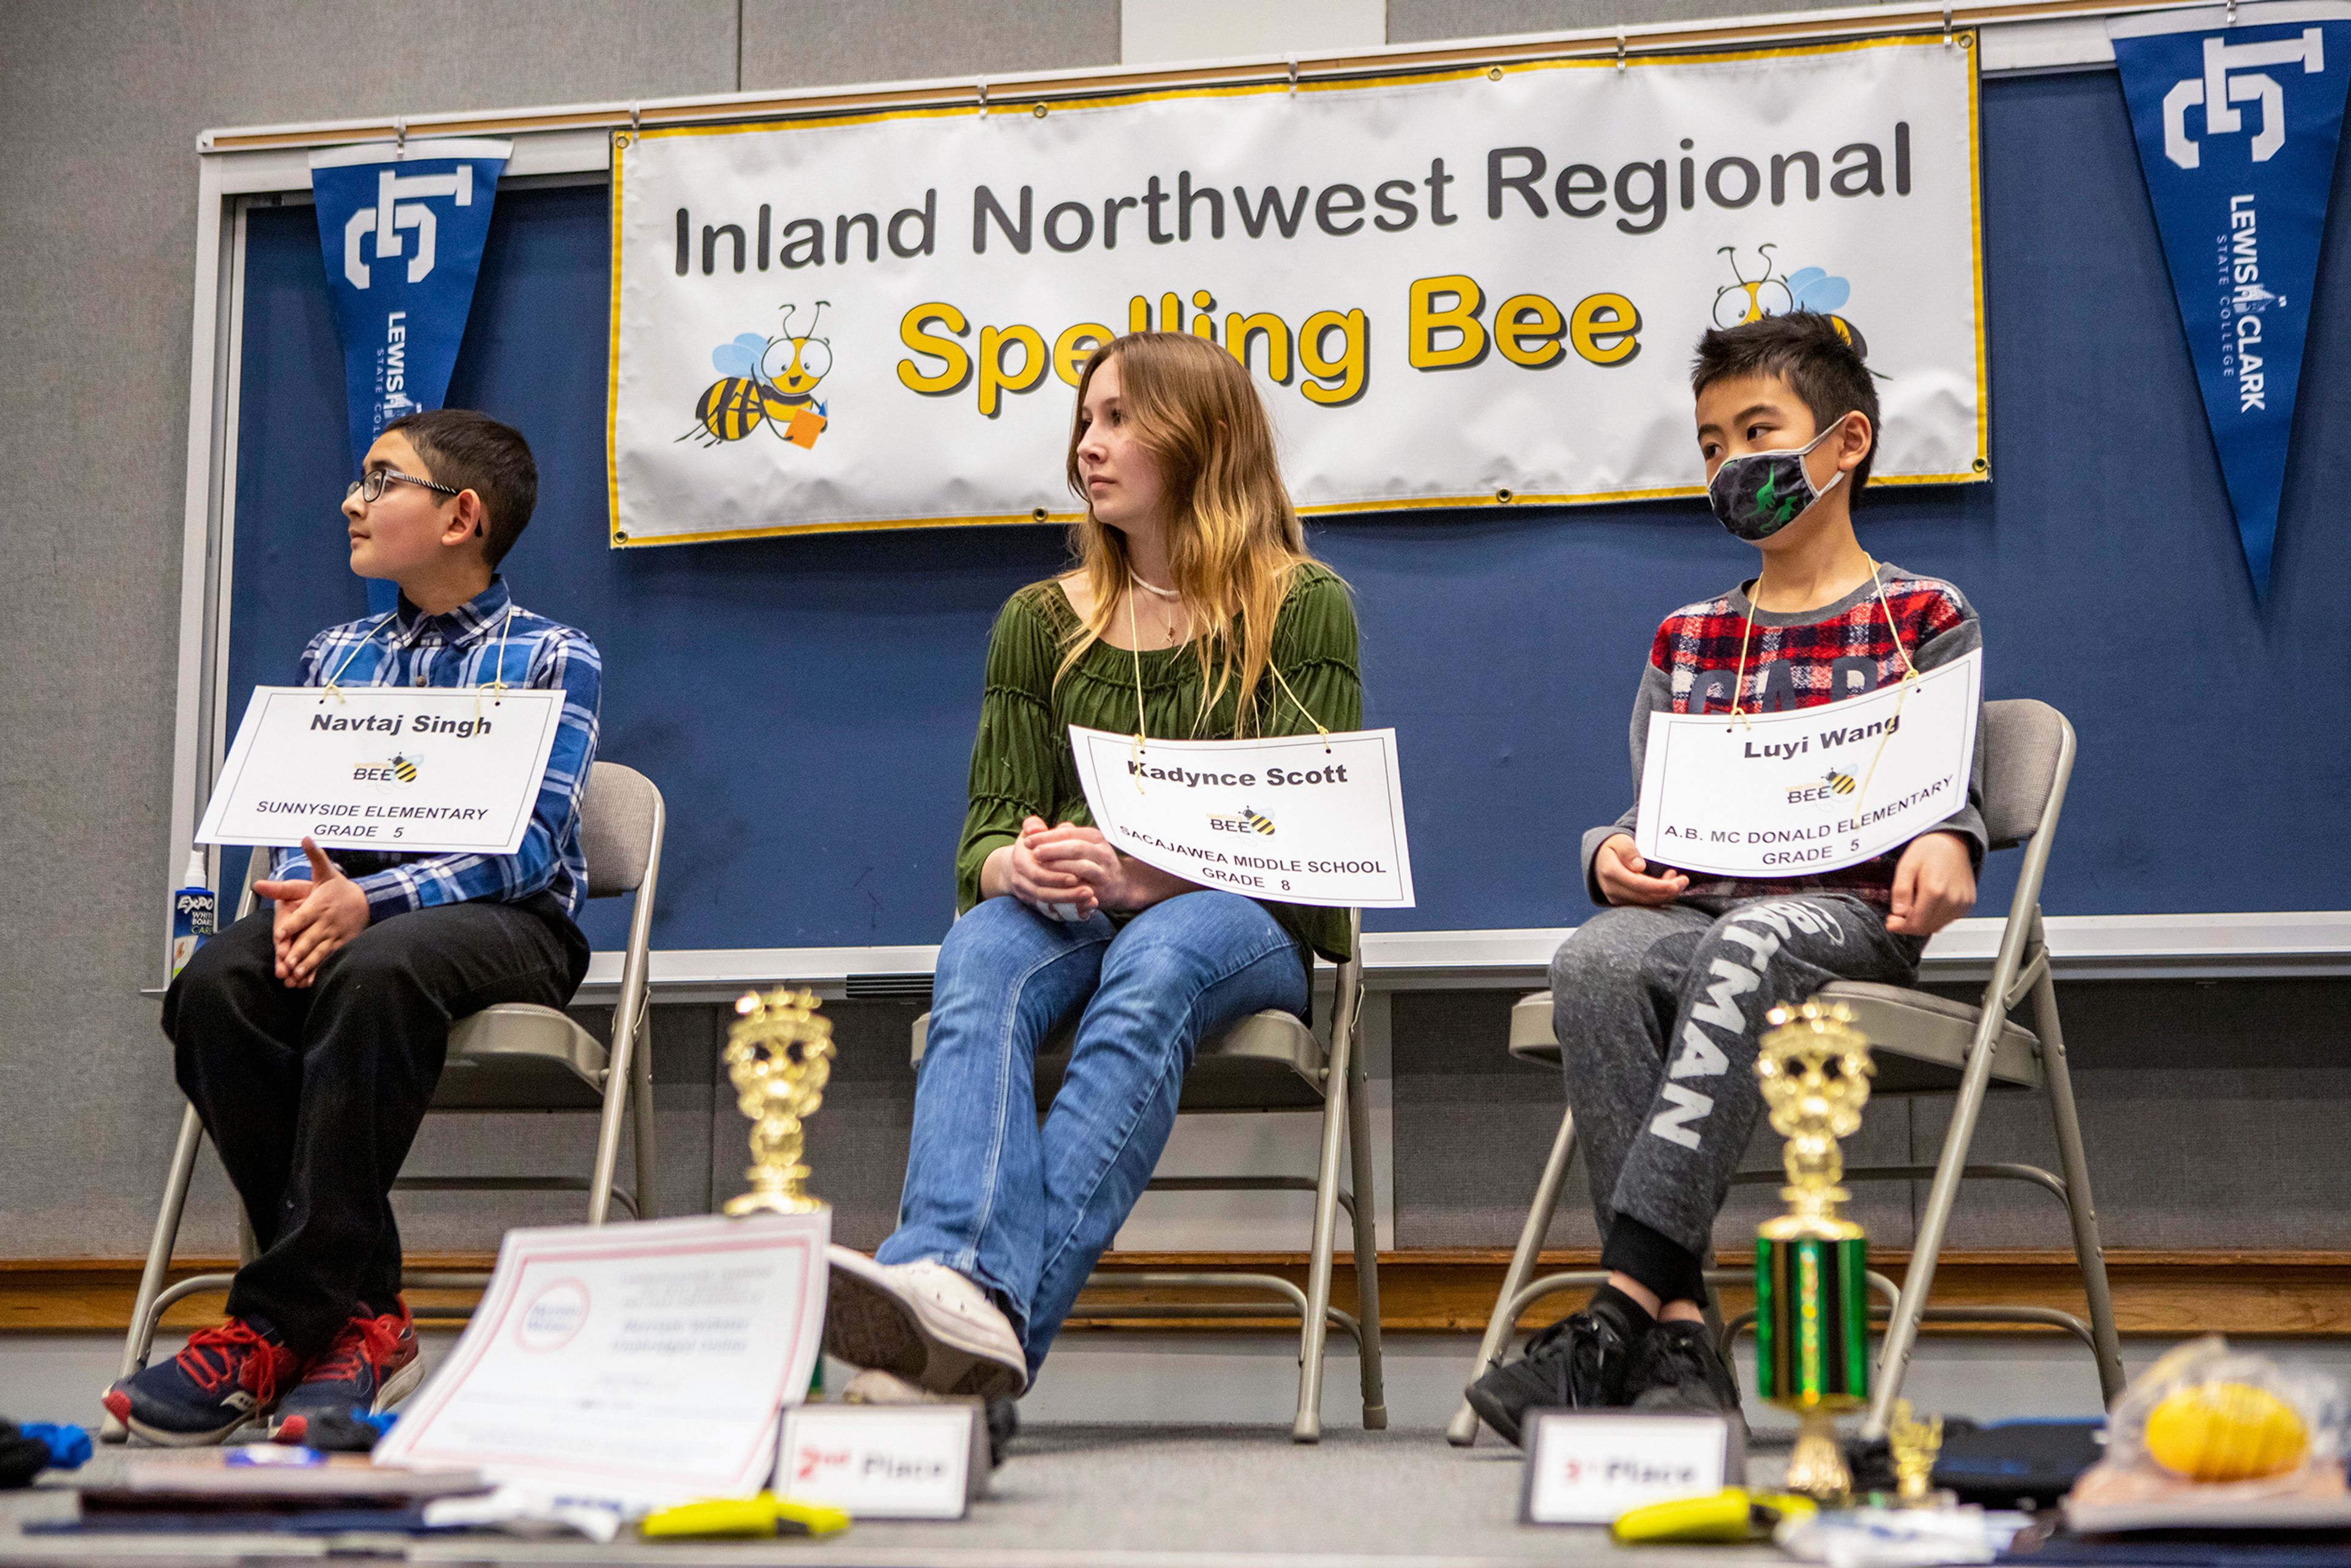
x=646 y=1363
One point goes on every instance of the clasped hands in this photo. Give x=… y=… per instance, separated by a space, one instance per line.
x=314 y=918
x=1934 y=881
x=1077 y=866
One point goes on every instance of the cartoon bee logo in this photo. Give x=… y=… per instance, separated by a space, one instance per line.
x=769 y=380
x=1771 y=293
x=403 y=770
x=1259 y=822
x=1841 y=783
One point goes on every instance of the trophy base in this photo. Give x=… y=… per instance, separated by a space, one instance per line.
x=1817 y=1468
x=774 y=1203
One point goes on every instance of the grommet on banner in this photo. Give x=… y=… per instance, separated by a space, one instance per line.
x=1493 y=73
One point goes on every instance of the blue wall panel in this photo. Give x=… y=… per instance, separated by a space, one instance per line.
x=808 y=705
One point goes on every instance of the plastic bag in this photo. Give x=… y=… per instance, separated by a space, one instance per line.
x=2206 y=1413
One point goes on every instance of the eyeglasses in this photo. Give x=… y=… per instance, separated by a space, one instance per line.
x=372 y=486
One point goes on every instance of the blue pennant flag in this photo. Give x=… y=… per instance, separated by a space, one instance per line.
x=401 y=228
x=2237 y=129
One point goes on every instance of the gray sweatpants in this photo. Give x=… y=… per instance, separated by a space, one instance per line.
x=1658 y=1013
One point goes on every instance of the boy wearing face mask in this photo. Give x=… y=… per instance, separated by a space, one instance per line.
x=1660 y=998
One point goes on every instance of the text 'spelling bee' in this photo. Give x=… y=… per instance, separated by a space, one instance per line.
x=766 y=380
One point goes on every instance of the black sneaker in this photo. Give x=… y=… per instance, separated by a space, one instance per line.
x=1578 y=1361
x=1676 y=1367
x=1003 y=1426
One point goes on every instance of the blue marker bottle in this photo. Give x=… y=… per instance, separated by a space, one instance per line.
x=195 y=913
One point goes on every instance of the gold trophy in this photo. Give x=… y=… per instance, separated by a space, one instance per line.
x=1913 y=1445
x=778 y=1055
x=1812 y=1306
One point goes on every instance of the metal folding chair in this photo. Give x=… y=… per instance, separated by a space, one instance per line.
x=1273 y=1061
x=508 y=1057
x=1923 y=1044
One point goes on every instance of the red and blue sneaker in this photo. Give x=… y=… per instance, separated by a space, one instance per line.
x=372 y=1366
x=225 y=1377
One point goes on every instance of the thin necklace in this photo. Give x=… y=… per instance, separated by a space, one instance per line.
x=1168 y=594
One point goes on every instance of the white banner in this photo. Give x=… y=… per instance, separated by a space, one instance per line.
x=1459 y=288
x=1809 y=789
x=1296 y=819
x=384 y=768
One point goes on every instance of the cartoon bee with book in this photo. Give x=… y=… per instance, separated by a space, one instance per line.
x=769 y=380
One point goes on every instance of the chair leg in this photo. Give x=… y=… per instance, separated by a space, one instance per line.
x=2088 y=1251
x=1307 y=1426
x=141 y=1335
x=1367 y=1243
x=1918 y=1280
x=620 y=1072
x=646 y=1202
x=139 y=1338
x=1463 y=1431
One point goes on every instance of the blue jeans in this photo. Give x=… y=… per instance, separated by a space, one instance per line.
x=1025 y=1209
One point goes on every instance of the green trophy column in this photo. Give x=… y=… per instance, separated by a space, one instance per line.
x=1811 y=1264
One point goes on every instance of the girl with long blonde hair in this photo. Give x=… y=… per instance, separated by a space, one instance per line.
x=1194 y=611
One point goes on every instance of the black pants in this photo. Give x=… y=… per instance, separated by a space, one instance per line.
x=313 y=1096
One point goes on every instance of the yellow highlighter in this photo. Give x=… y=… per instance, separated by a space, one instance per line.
x=758 y=1518
x=1732 y=1514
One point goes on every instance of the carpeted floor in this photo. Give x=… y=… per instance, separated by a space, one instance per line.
x=1123 y=1497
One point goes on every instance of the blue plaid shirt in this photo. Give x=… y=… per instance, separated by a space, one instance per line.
x=473 y=645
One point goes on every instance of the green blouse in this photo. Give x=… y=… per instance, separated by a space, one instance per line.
x=1021 y=763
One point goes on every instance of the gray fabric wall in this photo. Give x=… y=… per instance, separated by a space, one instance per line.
x=101 y=101
x=2212 y=1111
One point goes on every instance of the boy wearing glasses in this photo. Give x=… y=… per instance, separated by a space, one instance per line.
x=309 y=1036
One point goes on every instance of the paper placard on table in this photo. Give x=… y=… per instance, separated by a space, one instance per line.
x=1293 y=819
x=1588 y=1466
x=1809 y=789
x=643 y=1363
x=385 y=768
x=885 y=1461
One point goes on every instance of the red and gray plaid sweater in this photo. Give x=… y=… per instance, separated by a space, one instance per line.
x=1800 y=658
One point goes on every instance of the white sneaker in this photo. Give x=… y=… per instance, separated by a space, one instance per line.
x=876 y=1386
x=922 y=1322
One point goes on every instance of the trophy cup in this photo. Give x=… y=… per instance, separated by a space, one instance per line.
x=1914 y=1444
x=779 y=1056
x=1811 y=1308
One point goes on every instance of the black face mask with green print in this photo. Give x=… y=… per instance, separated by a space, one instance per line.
x=1757 y=494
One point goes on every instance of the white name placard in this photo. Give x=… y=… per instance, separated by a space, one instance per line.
x=1299 y=819
x=1588 y=1466
x=884 y=1461
x=385 y=768
x=641 y=1363
x=1809 y=789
